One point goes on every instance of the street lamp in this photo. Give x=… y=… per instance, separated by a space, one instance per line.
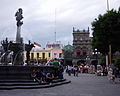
x=95 y=55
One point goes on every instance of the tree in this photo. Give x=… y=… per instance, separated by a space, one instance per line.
x=106 y=31
x=102 y=61
x=117 y=62
x=67 y=53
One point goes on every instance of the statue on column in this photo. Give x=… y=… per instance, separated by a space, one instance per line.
x=19 y=17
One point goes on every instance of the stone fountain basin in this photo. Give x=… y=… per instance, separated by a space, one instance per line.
x=21 y=72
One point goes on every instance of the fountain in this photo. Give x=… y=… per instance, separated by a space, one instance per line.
x=18 y=76
x=18 y=47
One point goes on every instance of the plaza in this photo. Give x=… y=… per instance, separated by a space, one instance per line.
x=83 y=85
x=52 y=56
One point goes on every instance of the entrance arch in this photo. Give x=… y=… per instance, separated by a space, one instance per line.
x=79 y=62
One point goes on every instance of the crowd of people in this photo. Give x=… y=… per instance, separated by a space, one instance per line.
x=42 y=76
x=79 y=69
x=111 y=72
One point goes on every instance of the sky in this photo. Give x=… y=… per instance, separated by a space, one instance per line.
x=42 y=18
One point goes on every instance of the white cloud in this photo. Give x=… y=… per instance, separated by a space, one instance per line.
x=39 y=17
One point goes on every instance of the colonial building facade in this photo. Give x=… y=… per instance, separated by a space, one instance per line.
x=52 y=50
x=82 y=46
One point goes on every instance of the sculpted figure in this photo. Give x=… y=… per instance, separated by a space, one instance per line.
x=19 y=17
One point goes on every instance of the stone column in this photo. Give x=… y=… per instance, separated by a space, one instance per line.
x=18 y=35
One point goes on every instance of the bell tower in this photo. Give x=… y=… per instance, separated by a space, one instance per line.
x=82 y=45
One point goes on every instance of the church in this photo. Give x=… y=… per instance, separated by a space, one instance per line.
x=82 y=46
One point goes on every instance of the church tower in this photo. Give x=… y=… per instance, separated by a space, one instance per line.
x=82 y=46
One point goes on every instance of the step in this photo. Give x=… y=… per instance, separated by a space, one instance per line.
x=15 y=80
x=19 y=83
x=34 y=87
x=29 y=80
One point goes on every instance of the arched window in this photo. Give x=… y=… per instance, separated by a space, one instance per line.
x=84 y=52
x=78 y=52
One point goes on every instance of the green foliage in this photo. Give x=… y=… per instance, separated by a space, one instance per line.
x=102 y=61
x=117 y=62
x=67 y=53
x=106 y=30
x=68 y=50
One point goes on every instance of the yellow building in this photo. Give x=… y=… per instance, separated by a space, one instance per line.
x=38 y=54
x=41 y=53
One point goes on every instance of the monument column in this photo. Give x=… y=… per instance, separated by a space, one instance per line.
x=18 y=35
x=18 y=53
x=19 y=17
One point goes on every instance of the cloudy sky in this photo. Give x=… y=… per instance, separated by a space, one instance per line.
x=39 y=18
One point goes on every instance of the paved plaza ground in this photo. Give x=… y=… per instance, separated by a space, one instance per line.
x=83 y=85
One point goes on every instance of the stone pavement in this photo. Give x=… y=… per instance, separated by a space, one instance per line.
x=84 y=85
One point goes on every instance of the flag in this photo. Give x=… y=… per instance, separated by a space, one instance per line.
x=36 y=44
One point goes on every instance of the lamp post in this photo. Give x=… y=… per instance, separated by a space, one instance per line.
x=110 y=58
x=95 y=55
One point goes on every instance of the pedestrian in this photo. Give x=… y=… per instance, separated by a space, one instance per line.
x=81 y=69
x=69 y=70
x=60 y=72
x=55 y=64
x=75 y=70
x=104 y=71
x=111 y=76
x=116 y=72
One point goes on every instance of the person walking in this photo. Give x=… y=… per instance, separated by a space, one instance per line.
x=75 y=70
x=60 y=72
x=111 y=76
x=69 y=70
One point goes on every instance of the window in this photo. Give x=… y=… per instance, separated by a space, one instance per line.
x=32 y=55
x=60 y=55
x=49 y=54
x=81 y=39
x=84 y=52
x=75 y=38
x=55 y=55
x=78 y=52
x=37 y=55
x=43 y=55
